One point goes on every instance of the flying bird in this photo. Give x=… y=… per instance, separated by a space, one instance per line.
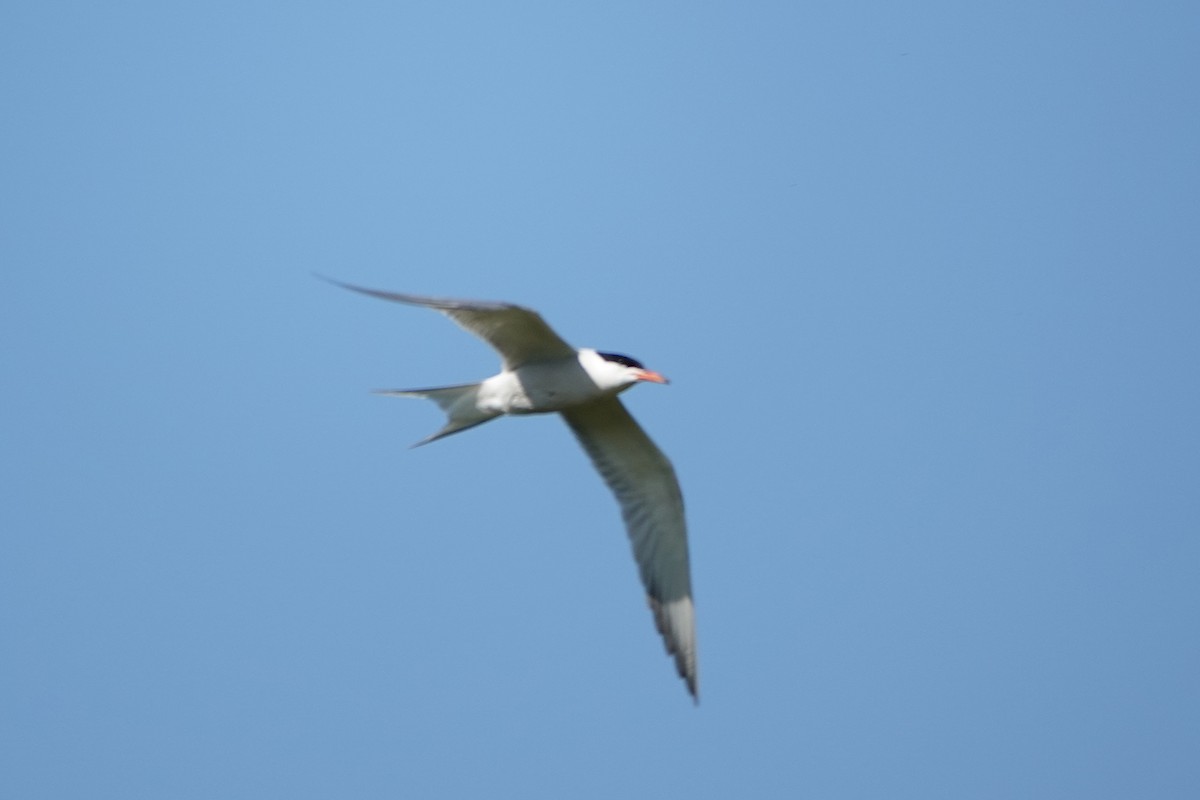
x=540 y=373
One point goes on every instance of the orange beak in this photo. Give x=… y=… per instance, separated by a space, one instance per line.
x=652 y=376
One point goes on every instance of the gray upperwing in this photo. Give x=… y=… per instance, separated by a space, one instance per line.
x=519 y=334
x=644 y=483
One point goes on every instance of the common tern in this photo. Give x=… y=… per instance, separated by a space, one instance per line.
x=541 y=373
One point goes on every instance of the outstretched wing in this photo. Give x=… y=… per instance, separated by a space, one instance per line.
x=645 y=485
x=519 y=334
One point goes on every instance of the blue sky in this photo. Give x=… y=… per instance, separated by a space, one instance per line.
x=924 y=275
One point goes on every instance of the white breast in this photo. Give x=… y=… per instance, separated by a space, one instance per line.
x=543 y=387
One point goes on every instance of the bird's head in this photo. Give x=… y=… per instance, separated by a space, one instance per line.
x=621 y=372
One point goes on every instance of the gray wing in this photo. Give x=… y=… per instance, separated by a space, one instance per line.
x=519 y=334
x=645 y=485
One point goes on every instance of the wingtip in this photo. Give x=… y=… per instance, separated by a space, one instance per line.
x=692 y=688
x=342 y=284
x=326 y=278
x=679 y=641
x=692 y=685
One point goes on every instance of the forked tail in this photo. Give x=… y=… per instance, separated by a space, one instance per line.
x=459 y=403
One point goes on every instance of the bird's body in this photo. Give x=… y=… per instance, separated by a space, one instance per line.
x=541 y=373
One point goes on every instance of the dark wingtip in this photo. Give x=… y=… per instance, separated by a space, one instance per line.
x=343 y=284
x=326 y=278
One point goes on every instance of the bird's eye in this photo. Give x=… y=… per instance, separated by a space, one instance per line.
x=620 y=359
